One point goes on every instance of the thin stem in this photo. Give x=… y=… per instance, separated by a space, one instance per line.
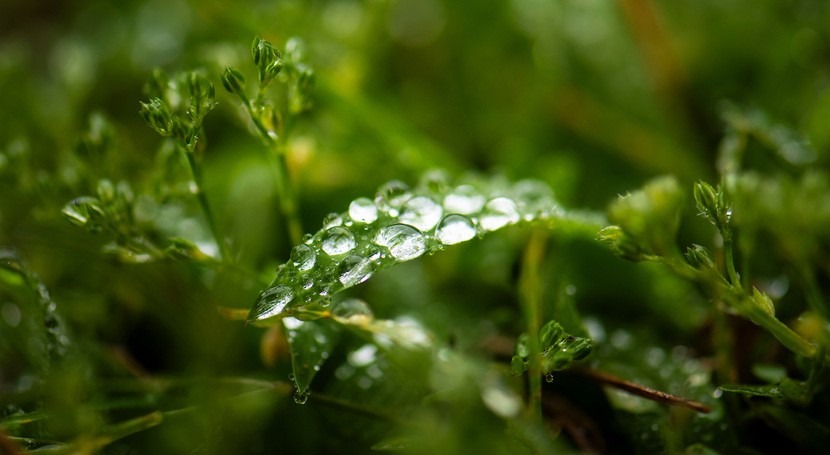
x=279 y=163
x=812 y=292
x=728 y=250
x=791 y=340
x=531 y=302
x=196 y=172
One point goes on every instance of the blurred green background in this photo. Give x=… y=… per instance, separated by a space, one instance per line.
x=591 y=96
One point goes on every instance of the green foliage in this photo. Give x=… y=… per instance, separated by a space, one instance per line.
x=423 y=316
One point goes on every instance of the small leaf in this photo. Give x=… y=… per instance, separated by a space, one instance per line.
x=311 y=344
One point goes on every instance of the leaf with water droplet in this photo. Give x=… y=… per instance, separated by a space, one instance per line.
x=402 y=224
x=311 y=343
x=559 y=349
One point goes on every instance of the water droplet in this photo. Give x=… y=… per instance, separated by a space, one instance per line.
x=301 y=397
x=307 y=238
x=353 y=310
x=338 y=240
x=303 y=257
x=464 y=200
x=404 y=242
x=455 y=229
x=421 y=212
x=549 y=377
x=355 y=270
x=331 y=220
x=392 y=195
x=271 y=302
x=364 y=356
x=497 y=213
x=434 y=180
x=308 y=284
x=363 y=210
x=534 y=198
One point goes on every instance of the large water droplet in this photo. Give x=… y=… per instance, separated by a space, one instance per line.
x=464 y=200
x=331 y=220
x=353 y=311
x=338 y=240
x=303 y=257
x=272 y=302
x=392 y=195
x=355 y=270
x=363 y=210
x=421 y=212
x=497 y=213
x=404 y=242
x=455 y=229
x=534 y=198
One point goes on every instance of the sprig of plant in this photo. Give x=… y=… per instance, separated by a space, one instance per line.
x=176 y=110
x=271 y=121
x=400 y=224
x=646 y=227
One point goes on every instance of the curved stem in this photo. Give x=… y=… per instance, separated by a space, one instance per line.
x=196 y=172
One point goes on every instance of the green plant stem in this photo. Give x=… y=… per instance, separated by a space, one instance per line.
x=778 y=329
x=531 y=302
x=812 y=292
x=196 y=172
x=279 y=163
x=729 y=258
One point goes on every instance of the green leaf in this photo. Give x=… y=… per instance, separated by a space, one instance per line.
x=400 y=224
x=311 y=343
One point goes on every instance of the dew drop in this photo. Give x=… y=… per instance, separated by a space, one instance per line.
x=303 y=257
x=549 y=377
x=534 y=198
x=392 y=195
x=421 y=212
x=301 y=397
x=404 y=242
x=331 y=220
x=455 y=229
x=272 y=302
x=497 y=213
x=338 y=240
x=353 y=310
x=355 y=270
x=363 y=210
x=464 y=200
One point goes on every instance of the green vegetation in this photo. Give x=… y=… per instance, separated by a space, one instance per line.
x=415 y=226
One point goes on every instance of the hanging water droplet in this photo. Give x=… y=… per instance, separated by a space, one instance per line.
x=301 y=397
x=549 y=377
x=338 y=240
x=455 y=229
x=392 y=195
x=303 y=257
x=497 y=213
x=331 y=220
x=421 y=212
x=464 y=200
x=271 y=302
x=353 y=311
x=363 y=210
x=355 y=270
x=404 y=242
